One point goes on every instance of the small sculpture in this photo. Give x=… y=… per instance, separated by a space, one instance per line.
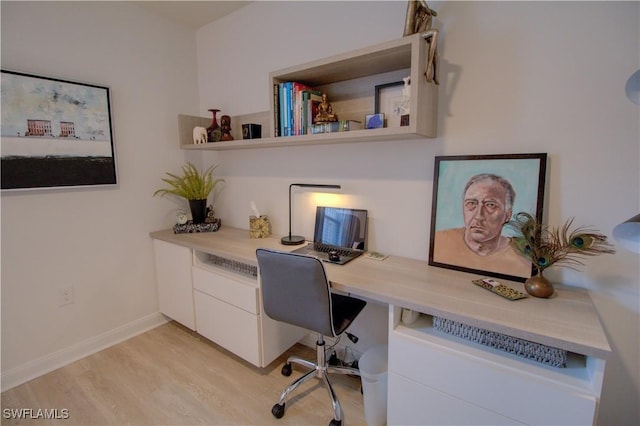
x=418 y=20
x=225 y=121
x=405 y=106
x=325 y=112
x=406 y=96
x=199 y=135
x=211 y=215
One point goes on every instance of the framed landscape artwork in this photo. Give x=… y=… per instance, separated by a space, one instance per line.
x=55 y=133
x=474 y=196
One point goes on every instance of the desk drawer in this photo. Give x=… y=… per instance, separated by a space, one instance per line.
x=516 y=389
x=412 y=403
x=237 y=291
x=232 y=328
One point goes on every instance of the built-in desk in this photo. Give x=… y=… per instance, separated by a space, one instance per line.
x=434 y=377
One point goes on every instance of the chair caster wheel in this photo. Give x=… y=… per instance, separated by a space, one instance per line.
x=286 y=370
x=278 y=411
x=335 y=422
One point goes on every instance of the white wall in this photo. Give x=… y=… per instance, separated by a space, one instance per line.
x=93 y=239
x=516 y=77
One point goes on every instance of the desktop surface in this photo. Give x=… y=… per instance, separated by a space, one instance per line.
x=568 y=320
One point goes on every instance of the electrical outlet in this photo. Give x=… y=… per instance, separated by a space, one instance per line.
x=65 y=296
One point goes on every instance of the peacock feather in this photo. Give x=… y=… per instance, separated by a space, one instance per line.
x=545 y=247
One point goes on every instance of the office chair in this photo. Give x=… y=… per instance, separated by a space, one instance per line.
x=295 y=290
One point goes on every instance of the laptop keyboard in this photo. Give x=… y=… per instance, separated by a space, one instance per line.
x=323 y=248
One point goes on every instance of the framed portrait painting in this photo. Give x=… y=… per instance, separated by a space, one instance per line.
x=55 y=133
x=474 y=196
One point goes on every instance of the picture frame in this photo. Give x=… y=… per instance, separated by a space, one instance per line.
x=471 y=204
x=389 y=101
x=374 y=121
x=55 y=133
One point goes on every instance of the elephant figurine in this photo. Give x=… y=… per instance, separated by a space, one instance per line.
x=199 y=135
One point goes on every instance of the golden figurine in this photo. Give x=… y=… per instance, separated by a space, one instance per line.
x=325 y=112
x=419 y=19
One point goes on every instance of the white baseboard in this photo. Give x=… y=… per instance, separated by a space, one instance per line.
x=32 y=369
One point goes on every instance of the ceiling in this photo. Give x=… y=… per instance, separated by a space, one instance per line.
x=192 y=14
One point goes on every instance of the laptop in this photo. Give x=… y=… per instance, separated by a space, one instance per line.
x=340 y=235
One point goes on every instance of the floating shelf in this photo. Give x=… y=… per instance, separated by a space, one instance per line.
x=349 y=80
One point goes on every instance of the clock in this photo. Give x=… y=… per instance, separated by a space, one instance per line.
x=181 y=217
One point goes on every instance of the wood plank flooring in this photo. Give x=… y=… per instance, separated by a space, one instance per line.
x=172 y=376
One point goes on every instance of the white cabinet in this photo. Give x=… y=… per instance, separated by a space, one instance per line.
x=173 y=271
x=436 y=378
x=227 y=311
x=220 y=299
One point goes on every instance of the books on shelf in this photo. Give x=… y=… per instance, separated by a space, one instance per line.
x=294 y=104
x=336 y=126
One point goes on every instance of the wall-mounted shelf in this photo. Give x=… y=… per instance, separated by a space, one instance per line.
x=349 y=80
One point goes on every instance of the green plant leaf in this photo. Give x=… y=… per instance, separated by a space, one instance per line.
x=191 y=185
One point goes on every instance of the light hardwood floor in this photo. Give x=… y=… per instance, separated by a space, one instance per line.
x=172 y=376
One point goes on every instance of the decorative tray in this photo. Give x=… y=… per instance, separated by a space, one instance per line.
x=190 y=227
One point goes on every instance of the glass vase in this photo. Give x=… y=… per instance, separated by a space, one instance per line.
x=214 y=133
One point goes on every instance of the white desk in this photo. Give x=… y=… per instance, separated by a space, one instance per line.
x=489 y=384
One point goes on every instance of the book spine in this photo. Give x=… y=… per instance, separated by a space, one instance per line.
x=276 y=110
x=297 y=88
x=284 y=111
x=304 y=112
x=281 y=112
x=290 y=110
x=300 y=91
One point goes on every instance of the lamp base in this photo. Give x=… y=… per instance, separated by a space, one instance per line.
x=292 y=240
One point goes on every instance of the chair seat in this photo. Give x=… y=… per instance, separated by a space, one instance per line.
x=345 y=310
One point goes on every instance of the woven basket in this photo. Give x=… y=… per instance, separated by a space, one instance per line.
x=524 y=348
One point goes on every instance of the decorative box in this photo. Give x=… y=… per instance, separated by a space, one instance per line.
x=259 y=227
x=251 y=131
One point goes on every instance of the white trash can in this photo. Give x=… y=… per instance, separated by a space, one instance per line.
x=373 y=373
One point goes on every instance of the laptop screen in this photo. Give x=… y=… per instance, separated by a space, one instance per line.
x=341 y=227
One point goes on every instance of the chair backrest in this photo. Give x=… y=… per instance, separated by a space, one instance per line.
x=295 y=290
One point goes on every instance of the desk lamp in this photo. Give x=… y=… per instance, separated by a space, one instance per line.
x=293 y=240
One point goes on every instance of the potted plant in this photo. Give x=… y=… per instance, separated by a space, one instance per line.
x=545 y=247
x=193 y=186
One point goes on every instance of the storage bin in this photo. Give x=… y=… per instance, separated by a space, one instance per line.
x=373 y=373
